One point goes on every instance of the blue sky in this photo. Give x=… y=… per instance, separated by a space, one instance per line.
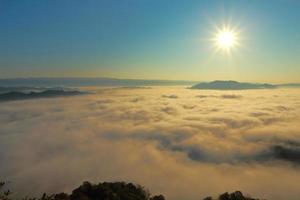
x=151 y=39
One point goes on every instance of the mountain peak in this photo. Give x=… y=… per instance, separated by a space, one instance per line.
x=231 y=85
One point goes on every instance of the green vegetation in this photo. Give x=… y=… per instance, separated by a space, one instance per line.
x=112 y=191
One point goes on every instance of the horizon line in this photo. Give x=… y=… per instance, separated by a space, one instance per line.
x=142 y=79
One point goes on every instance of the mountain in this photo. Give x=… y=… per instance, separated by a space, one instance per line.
x=231 y=85
x=28 y=89
x=17 y=95
x=77 y=82
x=290 y=85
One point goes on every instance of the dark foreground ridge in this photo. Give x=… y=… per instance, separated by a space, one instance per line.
x=113 y=191
x=231 y=85
x=237 y=195
x=17 y=95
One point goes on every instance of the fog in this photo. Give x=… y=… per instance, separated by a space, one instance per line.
x=183 y=143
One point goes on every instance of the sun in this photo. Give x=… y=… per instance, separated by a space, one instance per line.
x=226 y=39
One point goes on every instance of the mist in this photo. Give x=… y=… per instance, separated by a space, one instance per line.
x=183 y=143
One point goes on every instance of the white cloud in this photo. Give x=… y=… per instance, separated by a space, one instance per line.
x=197 y=144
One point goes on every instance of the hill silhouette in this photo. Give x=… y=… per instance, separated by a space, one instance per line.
x=237 y=195
x=113 y=191
x=17 y=95
x=231 y=85
x=100 y=81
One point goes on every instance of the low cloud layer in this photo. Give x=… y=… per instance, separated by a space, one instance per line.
x=184 y=143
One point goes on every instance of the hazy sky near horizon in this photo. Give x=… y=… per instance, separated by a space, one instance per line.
x=149 y=39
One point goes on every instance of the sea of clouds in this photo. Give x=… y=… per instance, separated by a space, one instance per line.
x=183 y=143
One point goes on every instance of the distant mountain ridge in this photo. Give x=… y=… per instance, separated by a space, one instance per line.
x=28 y=89
x=18 y=95
x=290 y=85
x=231 y=85
x=77 y=82
x=33 y=83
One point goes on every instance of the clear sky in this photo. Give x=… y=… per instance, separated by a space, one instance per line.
x=151 y=39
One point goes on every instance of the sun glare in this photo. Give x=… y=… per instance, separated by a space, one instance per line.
x=225 y=39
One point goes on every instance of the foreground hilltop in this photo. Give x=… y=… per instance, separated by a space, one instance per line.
x=114 y=191
x=237 y=195
x=231 y=85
